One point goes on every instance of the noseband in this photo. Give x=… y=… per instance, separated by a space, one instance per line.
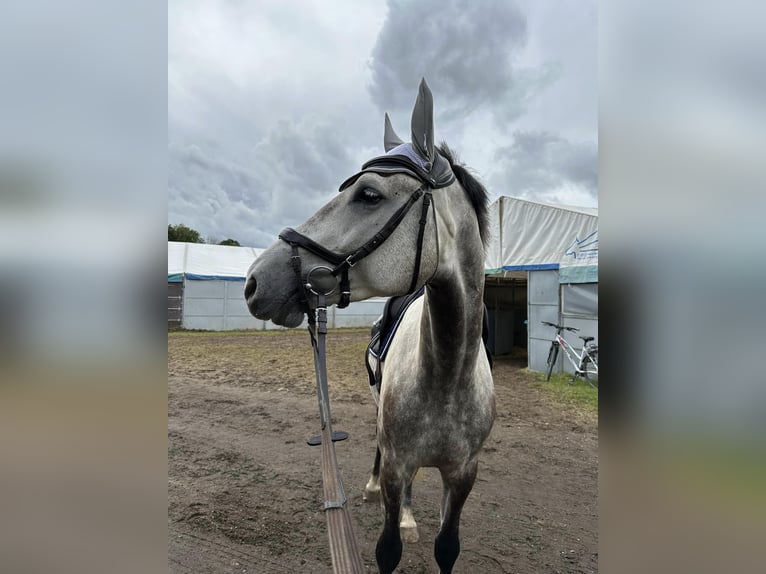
x=342 y=262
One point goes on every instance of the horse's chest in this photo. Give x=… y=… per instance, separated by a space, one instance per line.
x=436 y=426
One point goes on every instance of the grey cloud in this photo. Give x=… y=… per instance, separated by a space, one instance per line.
x=313 y=158
x=464 y=49
x=192 y=168
x=540 y=165
x=291 y=172
x=210 y=194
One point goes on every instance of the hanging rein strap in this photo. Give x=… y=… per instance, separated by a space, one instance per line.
x=343 y=262
x=344 y=548
x=421 y=231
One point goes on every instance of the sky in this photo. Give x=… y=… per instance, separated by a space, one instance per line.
x=272 y=104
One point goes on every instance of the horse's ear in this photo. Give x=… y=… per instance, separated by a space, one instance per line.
x=390 y=139
x=423 y=123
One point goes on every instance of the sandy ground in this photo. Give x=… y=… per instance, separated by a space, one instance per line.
x=244 y=489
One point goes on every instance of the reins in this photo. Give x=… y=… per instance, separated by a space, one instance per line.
x=344 y=549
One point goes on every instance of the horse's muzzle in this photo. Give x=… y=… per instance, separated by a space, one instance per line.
x=267 y=304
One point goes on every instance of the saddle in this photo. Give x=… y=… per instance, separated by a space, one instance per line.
x=383 y=330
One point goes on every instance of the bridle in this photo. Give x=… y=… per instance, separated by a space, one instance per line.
x=325 y=278
x=342 y=262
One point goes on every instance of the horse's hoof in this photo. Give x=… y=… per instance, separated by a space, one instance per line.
x=409 y=534
x=371 y=495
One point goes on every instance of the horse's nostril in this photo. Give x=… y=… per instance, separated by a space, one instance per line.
x=250 y=287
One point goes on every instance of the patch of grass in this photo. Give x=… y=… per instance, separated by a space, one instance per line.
x=579 y=393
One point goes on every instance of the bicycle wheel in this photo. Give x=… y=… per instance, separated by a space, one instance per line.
x=553 y=354
x=592 y=358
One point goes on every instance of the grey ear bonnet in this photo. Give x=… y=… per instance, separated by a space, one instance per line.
x=419 y=159
x=404 y=159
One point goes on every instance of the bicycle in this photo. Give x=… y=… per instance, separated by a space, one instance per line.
x=586 y=364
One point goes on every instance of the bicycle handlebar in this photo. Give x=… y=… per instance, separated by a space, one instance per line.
x=560 y=327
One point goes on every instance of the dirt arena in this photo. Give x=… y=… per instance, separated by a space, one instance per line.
x=245 y=493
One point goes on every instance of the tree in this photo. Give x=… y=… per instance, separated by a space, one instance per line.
x=181 y=232
x=233 y=242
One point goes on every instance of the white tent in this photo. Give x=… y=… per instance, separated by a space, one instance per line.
x=532 y=236
x=541 y=265
x=206 y=291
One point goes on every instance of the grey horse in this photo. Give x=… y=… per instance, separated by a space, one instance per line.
x=437 y=402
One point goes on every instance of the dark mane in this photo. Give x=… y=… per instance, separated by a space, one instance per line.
x=475 y=190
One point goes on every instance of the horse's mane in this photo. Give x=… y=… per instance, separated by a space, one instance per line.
x=473 y=188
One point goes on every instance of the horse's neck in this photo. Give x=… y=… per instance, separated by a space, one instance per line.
x=453 y=307
x=451 y=330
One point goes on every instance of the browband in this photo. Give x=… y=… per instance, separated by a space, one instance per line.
x=440 y=174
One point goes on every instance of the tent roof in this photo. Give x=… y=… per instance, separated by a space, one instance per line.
x=202 y=261
x=529 y=235
x=560 y=206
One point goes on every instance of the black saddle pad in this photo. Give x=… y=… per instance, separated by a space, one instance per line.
x=382 y=332
x=386 y=326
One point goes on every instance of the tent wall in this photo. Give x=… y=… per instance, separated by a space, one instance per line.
x=358 y=314
x=582 y=313
x=219 y=305
x=216 y=305
x=544 y=293
x=175 y=305
x=543 y=297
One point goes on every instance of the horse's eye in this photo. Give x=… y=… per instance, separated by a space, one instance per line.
x=368 y=196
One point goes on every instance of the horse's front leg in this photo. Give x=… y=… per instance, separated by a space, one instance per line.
x=372 y=490
x=457 y=487
x=407 y=525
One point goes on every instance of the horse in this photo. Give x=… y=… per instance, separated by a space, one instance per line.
x=437 y=403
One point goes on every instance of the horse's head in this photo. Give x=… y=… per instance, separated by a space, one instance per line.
x=376 y=238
